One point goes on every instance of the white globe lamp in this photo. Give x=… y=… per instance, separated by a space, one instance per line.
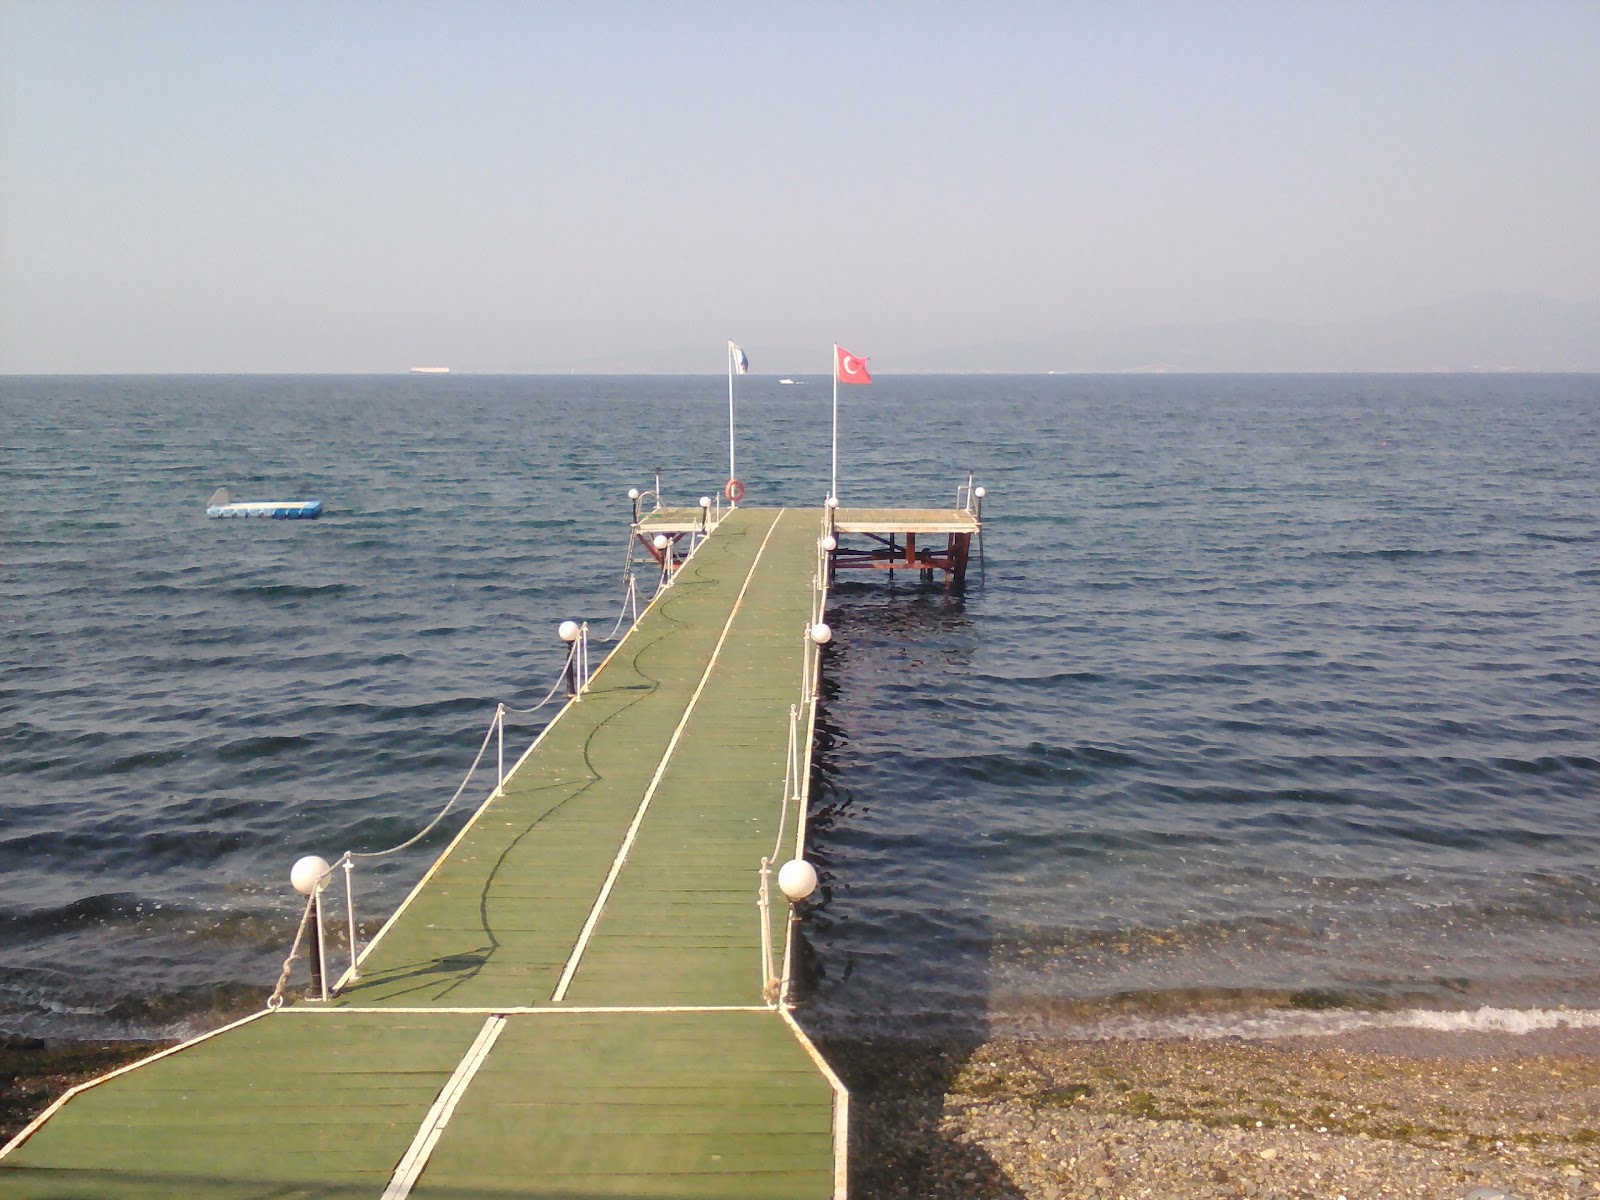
x=797 y=879
x=308 y=874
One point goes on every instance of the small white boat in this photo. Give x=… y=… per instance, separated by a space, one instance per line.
x=222 y=505
x=785 y=381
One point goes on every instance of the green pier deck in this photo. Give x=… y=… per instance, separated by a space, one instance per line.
x=575 y=1001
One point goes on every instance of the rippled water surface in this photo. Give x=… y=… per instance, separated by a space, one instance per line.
x=1271 y=694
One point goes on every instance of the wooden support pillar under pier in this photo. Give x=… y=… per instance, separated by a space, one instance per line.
x=893 y=534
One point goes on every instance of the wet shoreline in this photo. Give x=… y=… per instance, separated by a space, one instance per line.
x=34 y=1071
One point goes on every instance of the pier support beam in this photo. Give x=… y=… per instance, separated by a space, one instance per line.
x=889 y=554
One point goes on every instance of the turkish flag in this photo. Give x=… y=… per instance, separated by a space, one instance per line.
x=847 y=368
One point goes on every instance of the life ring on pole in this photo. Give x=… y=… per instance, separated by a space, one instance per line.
x=734 y=491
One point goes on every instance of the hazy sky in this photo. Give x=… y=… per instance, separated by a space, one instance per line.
x=368 y=186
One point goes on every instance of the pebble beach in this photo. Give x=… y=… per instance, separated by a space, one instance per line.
x=1107 y=1120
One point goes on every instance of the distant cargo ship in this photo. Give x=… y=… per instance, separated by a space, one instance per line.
x=430 y=370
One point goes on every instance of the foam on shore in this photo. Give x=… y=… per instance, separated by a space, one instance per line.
x=1296 y=1023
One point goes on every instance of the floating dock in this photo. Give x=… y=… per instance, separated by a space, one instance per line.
x=587 y=995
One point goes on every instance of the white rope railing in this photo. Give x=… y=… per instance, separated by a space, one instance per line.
x=969 y=499
x=630 y=603
x=792 y=791
x=275 y=1001
x=665 y=550
x=574 y=677
x=802 y=716
x=630 y=585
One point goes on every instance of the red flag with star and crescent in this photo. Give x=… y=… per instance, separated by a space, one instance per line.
x=847 y=368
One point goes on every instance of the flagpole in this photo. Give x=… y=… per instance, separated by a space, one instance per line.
x=732 y=474
x=833 y=482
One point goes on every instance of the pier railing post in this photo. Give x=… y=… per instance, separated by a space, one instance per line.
x=763 y=904
x=663 y=548
x=350 y=914
x=500 y=747
x=575 y=636
x=319 y=949
x=309 y=876
x=817 y=635
x=797 y=880
x=791 y=781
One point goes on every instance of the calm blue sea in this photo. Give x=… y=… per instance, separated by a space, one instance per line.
x=1274 y=703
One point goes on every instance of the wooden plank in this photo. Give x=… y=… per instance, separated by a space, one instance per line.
x=904 y=520
x=715 y=815
x=250 y=1113
x=633 y=1105
x=564 y=812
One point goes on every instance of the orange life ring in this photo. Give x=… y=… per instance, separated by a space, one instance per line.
x=734 y=491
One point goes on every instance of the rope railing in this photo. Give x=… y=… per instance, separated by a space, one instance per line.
x=969 y=499
x=630 y=589
x=275 y=1001
x=312 y=875
x=797 y=878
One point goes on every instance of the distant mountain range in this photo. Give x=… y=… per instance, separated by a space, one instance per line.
x=1483 y=333
x=1486 y=333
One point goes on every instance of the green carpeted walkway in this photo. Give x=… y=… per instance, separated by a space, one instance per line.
x=571 y=1003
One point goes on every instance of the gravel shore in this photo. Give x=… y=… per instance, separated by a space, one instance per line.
x=1049 y=1120
x=1384 y=1116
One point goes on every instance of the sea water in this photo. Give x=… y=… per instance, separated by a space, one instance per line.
x=1272 y=703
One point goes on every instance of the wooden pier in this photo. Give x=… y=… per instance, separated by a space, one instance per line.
x=894 y=533
x=583 y=997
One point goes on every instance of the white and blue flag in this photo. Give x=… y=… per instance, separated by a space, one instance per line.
x=741 y=364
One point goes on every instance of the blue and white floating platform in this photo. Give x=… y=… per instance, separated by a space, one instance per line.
x=222 y=505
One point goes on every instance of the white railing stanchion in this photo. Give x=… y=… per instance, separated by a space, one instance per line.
x=805 y=665
x=791 y=779
x=500 y=747
x=574 y=635
x=350 y=914
x=321 y=941
x=763 y=905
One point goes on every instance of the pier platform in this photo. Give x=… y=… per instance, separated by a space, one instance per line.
x=924 y=540
x=585 y=995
